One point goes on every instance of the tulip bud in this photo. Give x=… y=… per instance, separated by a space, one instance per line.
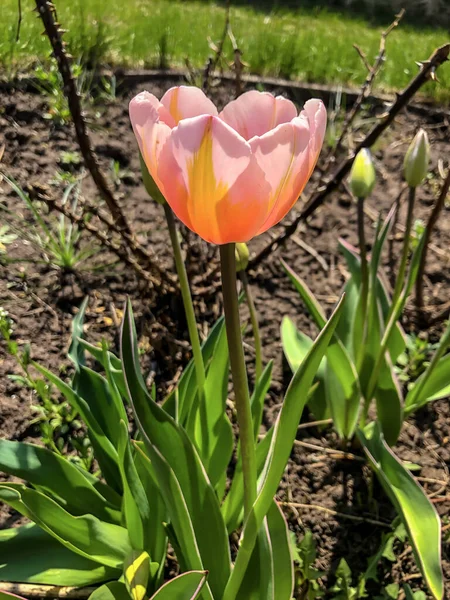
x=417 y=159
x=242 y=255
x=149 y=184
x=362 y=175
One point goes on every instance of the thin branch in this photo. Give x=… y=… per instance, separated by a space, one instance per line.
x=366 y=87
x=437 y=208
x=336 y=453
x=212 y=63
x=19 y=19
x=439 y=56
x=363 y=57
x=33 y=590
x=46 y=11
x=335 y=513
x=237 y=65
x=104 y=239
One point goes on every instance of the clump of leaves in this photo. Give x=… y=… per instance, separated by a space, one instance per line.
x=57 y=241
x=306 y=575
x=415 y=359
x=58 y=422
x=6 y=238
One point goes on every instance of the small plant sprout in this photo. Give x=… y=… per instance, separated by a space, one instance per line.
x=58 y=241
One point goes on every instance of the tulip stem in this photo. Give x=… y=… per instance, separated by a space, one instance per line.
x=255 y=325
x=404 y=259
x=187 y=301
x=363 y=256
x=239 y=374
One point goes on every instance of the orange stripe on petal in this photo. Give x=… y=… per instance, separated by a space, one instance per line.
x=212 y=159
x=184 y=102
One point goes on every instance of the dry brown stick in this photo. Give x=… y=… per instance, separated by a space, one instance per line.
x=136 y=248
x=366 y=87
x=237 y=65
x=46 y=12
x=335 y=513
x=118 y=250
x=218 y=50
x=437 y=208
x=33 y=590
x=427 y=71
x=19 y=19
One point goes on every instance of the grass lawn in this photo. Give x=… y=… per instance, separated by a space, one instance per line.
x=315 y=47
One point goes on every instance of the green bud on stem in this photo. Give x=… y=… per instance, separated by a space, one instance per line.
x=242 y=256
x=417 y=159
x=362 y=175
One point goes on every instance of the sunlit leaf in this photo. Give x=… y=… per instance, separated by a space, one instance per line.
x=22 y=559
x=187 y=586
x=413 y=506
x=86 y=535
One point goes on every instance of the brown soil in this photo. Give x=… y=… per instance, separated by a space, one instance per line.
x=42 y=302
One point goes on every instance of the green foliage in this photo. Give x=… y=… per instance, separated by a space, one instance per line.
x=57 y=421
x=6 y=238
x=167 y=484
x=58 y=242
x=359 y=371
x=170 y=30
x=306 y=574
x=343 y=588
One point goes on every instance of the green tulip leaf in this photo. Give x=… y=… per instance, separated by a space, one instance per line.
x=187 y=586
x=389 y=401
x=104 y=450
x=22 y=559
x=86 y=535
x=114 y=590
x=414 y=508
x=189 y=496
x=55 y=475
x=296 y=346
x=341 y=378
x=136 y=572
x=284 y=432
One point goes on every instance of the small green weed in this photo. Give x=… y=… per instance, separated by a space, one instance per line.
x=58 y=241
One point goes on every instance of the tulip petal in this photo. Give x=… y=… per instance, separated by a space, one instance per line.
x=211 y=181
x=283 y=155
x=315 y=112
x=143 y=108
x=184 y=102
x=255 y=113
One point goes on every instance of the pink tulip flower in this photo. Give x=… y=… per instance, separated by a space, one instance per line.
x=228 y=176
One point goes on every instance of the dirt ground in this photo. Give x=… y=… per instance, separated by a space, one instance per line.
x=42 y=303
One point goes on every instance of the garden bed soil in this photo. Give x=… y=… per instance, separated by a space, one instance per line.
x=42 y=302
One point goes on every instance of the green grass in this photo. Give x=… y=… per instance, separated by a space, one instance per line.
x=310 y=46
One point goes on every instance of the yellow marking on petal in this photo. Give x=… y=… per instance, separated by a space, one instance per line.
x=173 y=108
x=284 y=180
x=205 y=192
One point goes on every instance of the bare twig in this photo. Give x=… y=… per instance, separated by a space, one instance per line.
x=237 y=64
x=33 y=590
x=54 y=33
x=310 y=250
x=336 y=453
x=214 y=61
x=19 y=19
x=437 y=208
x=428 y=67
x=366 y=87
x=105 y=240
x=335 y=513
x=363 y=57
